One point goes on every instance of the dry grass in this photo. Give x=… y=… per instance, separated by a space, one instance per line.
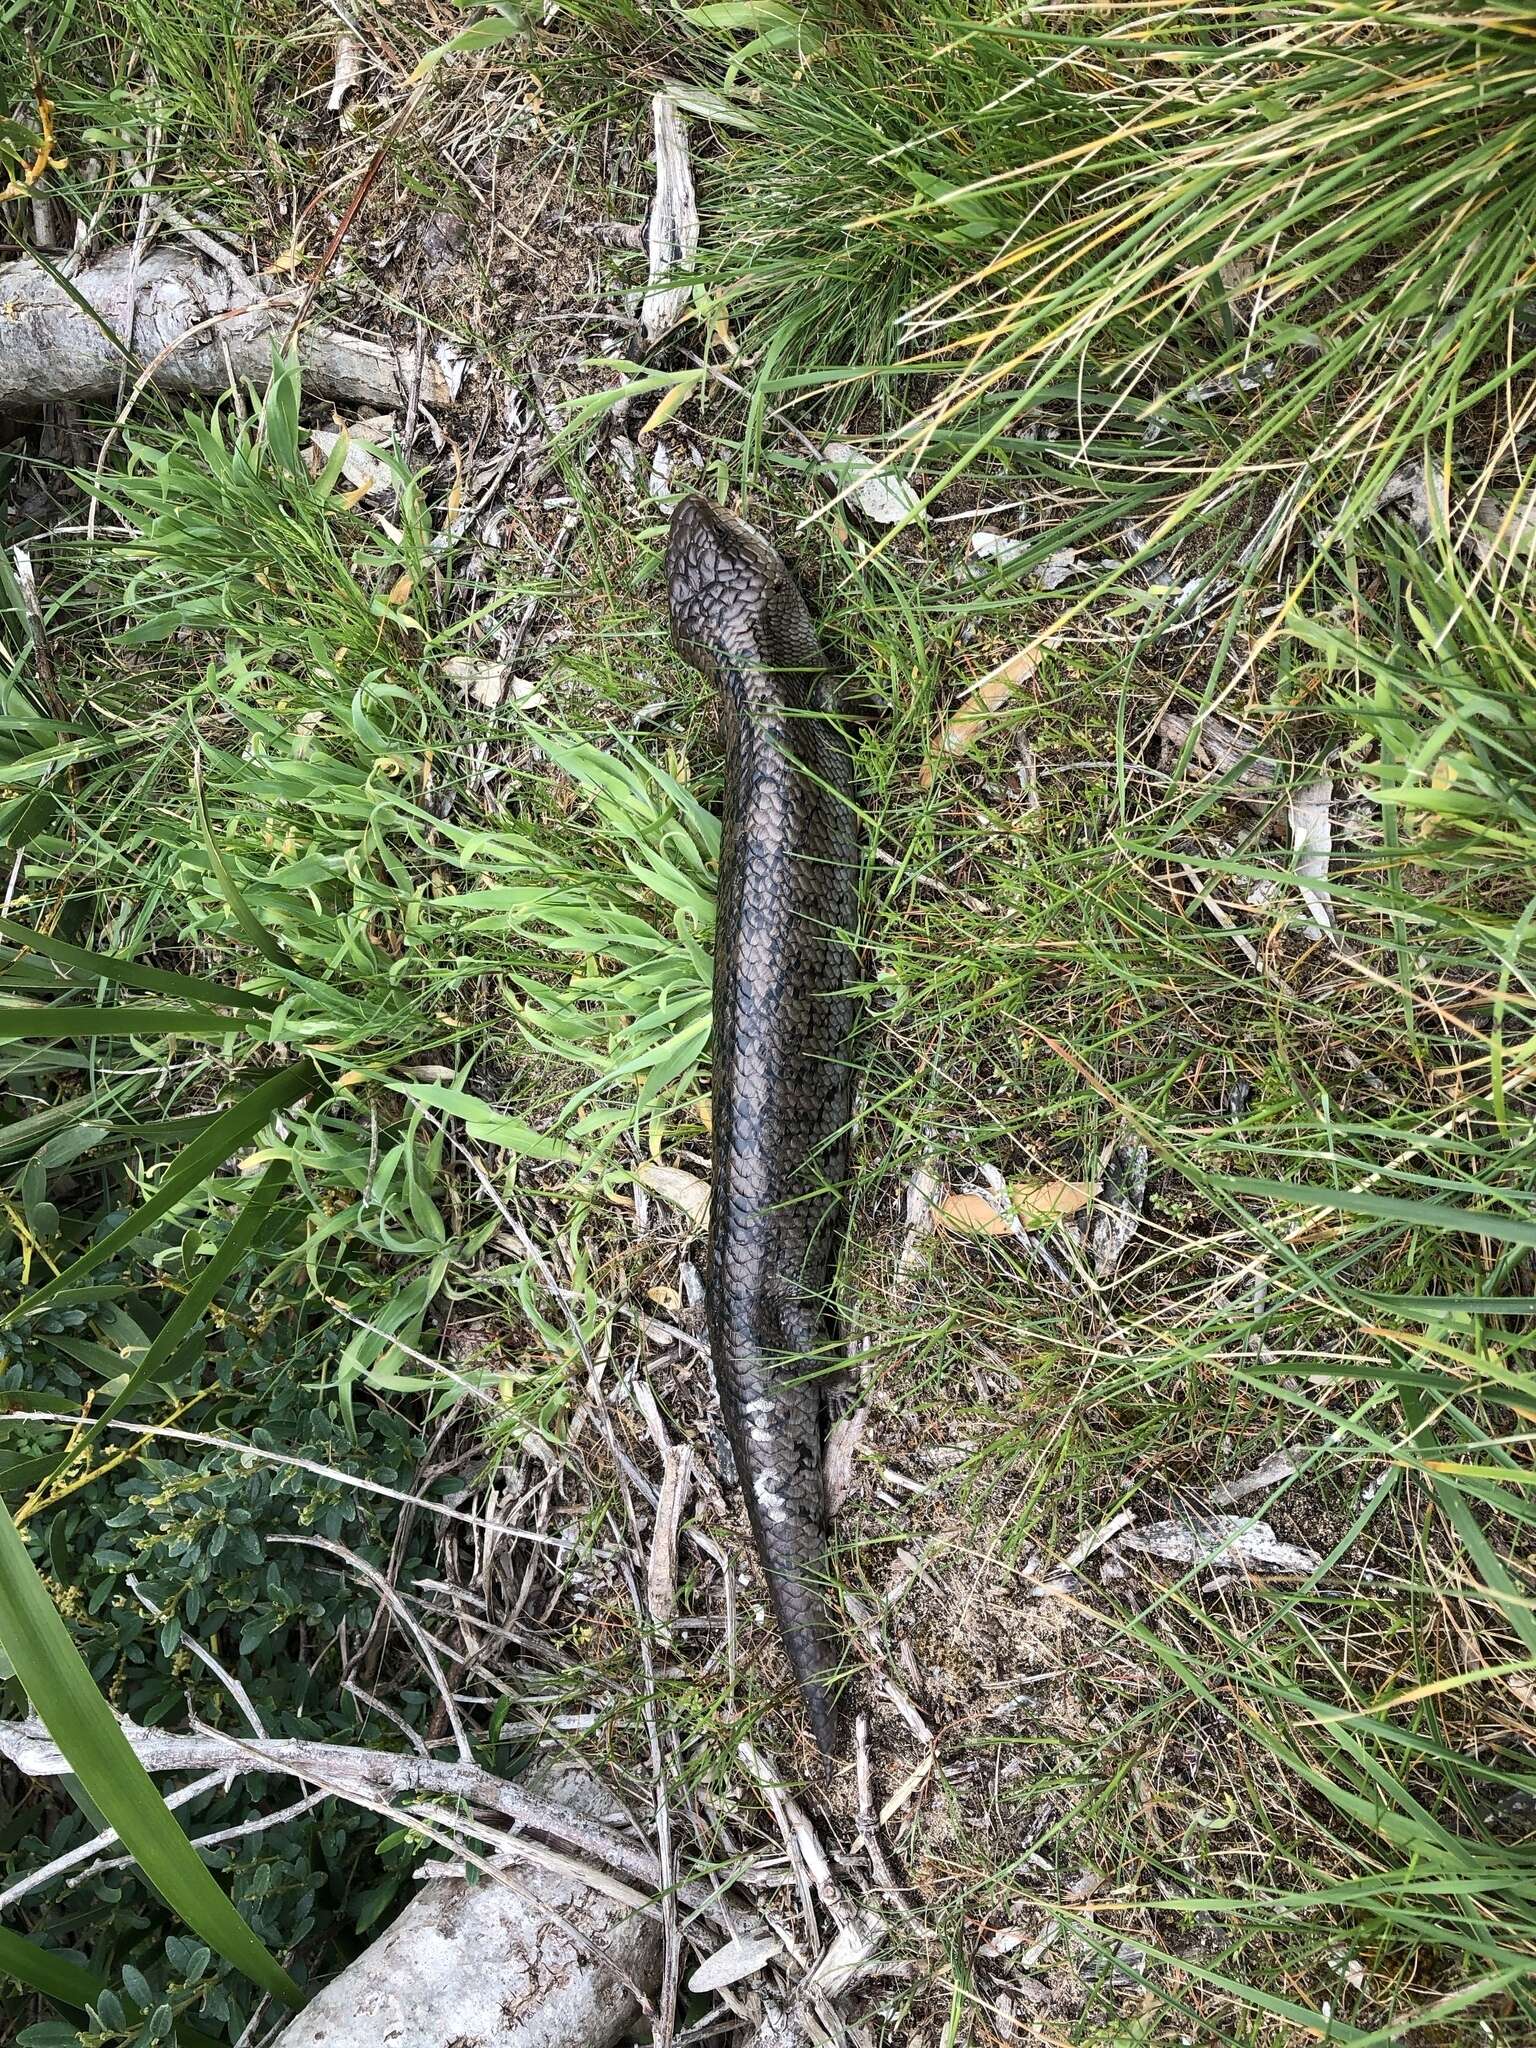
x=1093 y=1794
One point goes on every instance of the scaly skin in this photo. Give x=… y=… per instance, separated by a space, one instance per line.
x=783 y=1090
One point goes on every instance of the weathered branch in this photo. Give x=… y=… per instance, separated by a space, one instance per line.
x=188 y=325
x=549 y=1964
x=371 y=1777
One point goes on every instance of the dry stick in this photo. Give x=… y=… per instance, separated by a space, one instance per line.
x=387 y=1712
x=55 y=349
x=858 y=1929
x=258 y=1824
x=902 y=1701
x=402 y=1613
x=372 y=1779
x=364 y=186
x=671 y=1968
x=868 y=1824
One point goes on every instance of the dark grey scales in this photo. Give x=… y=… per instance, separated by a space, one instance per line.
x=783 y=1086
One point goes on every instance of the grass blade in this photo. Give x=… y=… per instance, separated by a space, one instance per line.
x=123 y=973
x=109 y=1020
x=191 y=1166
x=54 y=1677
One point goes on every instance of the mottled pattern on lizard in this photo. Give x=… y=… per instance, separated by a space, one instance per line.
x=783 y=1017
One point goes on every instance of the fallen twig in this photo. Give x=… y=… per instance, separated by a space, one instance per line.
x=370 y=1778
x=191 y=322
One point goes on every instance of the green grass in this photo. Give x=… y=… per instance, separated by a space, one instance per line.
x=1015 y=250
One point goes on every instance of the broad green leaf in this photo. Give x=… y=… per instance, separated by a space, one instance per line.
x=752 y=14
x=496 y=28
x=485 y=1125
x=67 y=1982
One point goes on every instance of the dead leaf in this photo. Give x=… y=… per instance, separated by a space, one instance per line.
x=969 y=1214
x=869 y=485
x=672 y=401
x=1037 y=1203
x=1030 y=1205
x=1273 y=1472
x=490 y=683
x=681 y=1190
x=1232 y=1540
x=979 y=707
x=363 y=469
x=720 y=330
x=1507 y=527
x=743 y=1957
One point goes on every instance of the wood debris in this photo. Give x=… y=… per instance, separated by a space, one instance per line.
x=843 y=1441
x=923 y=1194
x=535 y=1960
x=195 y=327
x=672 y=233
x=1507 y=528
x=346 y=71
x=1311 y=816
x=671 y=1503
x=1220 y=744
x=1002 y=550
x=1059 y=1578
